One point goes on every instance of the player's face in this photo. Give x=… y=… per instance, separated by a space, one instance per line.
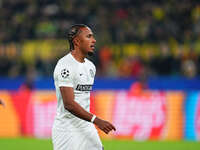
x=87 y=40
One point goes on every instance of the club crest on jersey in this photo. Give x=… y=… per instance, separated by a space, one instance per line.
x=64 y=73
x=91 y=73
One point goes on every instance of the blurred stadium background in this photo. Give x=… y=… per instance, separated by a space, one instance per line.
x=147 y=81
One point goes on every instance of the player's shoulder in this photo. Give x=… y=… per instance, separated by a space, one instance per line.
x=65 y=61
x=90 y=63
x=64 y=64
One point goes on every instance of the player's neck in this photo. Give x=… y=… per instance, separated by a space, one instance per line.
x=78 y=56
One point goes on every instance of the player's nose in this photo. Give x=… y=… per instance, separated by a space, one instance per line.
x=94 y=40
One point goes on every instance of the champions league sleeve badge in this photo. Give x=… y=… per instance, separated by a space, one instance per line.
x=64 y=73
x=91 y=73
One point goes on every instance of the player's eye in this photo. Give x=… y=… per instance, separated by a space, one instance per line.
x=89 y=35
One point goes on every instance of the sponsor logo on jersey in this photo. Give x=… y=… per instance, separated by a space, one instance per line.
x=86 y=87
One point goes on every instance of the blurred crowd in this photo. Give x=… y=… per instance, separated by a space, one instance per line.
x=163 y=35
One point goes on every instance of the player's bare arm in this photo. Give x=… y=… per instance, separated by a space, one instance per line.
x=73 y=107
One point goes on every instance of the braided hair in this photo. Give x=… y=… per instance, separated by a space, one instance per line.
x=73 y=32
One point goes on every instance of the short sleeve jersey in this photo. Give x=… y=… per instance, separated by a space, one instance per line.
x=80 y=76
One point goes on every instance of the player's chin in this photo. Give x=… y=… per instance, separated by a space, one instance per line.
x=92 y=49
x=91 y=52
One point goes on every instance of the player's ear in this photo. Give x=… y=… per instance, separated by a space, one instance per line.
x=76 y=41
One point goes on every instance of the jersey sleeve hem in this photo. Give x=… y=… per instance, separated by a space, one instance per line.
x=65 y=85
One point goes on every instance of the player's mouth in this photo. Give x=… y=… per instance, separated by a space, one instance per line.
x=92 y=46
x=91 y=52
